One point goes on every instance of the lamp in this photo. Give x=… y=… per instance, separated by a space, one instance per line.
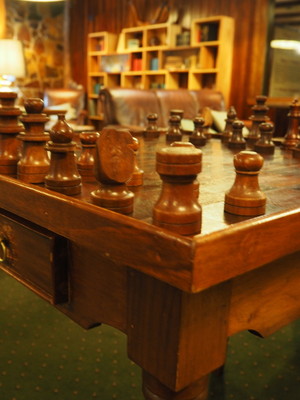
x=12 y=63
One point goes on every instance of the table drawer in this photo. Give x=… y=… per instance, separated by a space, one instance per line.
x=35 y=256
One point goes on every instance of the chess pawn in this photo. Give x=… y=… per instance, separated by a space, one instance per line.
x=292 y=136
x=174 y=133
x=151 y=130
x=296 y=150
x=63 y=176
x=34 y=162
x=9 y=130
x=114 y=165
x=177 y=208
x=231 y=117
x=198 y=138
x=245 y=197
x=177 y=112
x=259 y=116
x=265 y=145
x=237 y=141
x=138 y=174
x=86 y=159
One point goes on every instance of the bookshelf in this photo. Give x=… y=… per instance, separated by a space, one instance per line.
x=162 y=56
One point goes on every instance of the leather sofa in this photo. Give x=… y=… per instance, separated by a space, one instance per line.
x=128 y=108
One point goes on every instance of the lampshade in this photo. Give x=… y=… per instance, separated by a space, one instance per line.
x=12 y=58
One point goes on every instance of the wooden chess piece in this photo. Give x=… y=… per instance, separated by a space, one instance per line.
x=177 y=209
x=260 y=110
x=9 y=130
x=177 y=112
x=138 y=174
x=198 y=138
x=151 y=131
x=114 y=165
x=296 y=150
x=292 y=136
x=174 y=133
x=63 y=176
x=86 y=159
x=231 y=117
x=34 y=162
x=245 y=197
x=265 y=145
x=237 y=141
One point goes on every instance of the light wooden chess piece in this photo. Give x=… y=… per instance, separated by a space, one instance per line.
x=63 y=176
x=34 y=162
x=245 y=197
x=114 y=165
x=9 y=130
x=177 y=208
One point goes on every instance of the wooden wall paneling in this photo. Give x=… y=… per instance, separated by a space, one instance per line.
x=250 y=34
x=2 y=18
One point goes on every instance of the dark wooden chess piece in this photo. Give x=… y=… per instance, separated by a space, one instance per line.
x=245 y=197
x=174 y=133
x=114 y=165
x=198 y=138
x=151 y=131
x=177 y=112
x=63 y=176
x=86 y=159
x=9 y=130
x=138 y=174
x=260 y=110
x=292 y=136
x=237 y=141
x=296 y=150
x=265 y=145
x=177 y=208
x=34 y=162
x=231 y=117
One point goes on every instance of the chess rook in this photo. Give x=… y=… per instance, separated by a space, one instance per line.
x=260 y=110
x=174 y=133
x=86 y=159
x=177 y=208
x=9 y=130
x=245 y=197
x=34 y=162
x=237 y=141
x=114 y=165
x=292 y=136
x=63 y=176
x=231 y=117
x=198 y=138
x=265 y=145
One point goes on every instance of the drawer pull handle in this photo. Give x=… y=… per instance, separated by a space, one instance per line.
x=3 y=251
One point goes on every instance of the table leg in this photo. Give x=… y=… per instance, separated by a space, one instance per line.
x=154 y=390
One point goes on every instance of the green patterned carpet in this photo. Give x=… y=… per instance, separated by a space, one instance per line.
x=45 y=356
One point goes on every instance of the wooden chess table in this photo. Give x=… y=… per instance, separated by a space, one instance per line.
x=177 y=298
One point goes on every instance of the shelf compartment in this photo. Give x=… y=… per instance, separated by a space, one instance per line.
x=155 y=80
x=180 y=58
x=178 y=79
x=161 y=35
x=102 y=42
x=132 y=79
x=202 y=80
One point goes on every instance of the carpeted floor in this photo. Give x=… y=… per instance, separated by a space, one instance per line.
x=45 y=356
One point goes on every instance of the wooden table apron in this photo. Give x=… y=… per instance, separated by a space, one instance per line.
x=176 y=298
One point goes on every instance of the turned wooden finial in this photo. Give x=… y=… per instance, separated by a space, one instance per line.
x=114 y=165
x=198 y=138
x=245 y=196
x=9 y=130
x=265 y=145
x=177 y=208
x=237 y=141
x=34 y=162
